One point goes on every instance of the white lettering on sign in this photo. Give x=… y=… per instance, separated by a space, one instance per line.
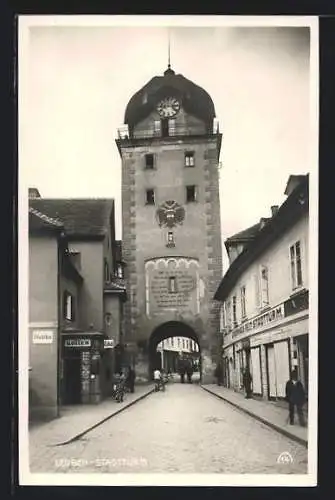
x=77 y=343
x=108 y=343
x=43 y=336
x=269 y=317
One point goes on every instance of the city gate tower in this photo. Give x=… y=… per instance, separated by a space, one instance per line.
x=171 y=234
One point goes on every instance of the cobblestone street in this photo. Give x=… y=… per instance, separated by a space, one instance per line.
x=184 y=429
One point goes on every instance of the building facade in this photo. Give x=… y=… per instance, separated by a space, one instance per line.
x=169 y=147
x=265 y=298
x=76 y=298
x=169 y=351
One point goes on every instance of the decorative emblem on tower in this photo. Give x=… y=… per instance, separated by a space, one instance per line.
x=170 y=213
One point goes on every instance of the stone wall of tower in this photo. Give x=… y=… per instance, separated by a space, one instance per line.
x=199 y=236
x=129 y=240
x=214 y=245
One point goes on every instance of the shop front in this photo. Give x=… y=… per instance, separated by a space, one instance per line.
x=82 y=368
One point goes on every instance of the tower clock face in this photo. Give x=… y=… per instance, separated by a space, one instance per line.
x=168 y=107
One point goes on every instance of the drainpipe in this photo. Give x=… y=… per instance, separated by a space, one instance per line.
x=59 y=319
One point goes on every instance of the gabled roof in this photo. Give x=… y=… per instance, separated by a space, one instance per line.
x=245 y=235
x=116 y=284
x=290 y=211
x=81 y=217
x=39 y=221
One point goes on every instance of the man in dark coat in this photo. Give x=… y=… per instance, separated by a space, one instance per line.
x=247 y=383
x=295 y=396
x=189 y=372
x=131 y=379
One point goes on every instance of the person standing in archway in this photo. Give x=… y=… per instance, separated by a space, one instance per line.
x=189 y=372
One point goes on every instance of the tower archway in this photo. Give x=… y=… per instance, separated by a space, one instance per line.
x=164 y=331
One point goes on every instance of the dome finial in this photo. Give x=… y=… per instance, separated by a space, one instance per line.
x=169 y=71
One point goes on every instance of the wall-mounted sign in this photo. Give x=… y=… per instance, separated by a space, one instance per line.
x=43 y=336
x=109 y=343
x=77 y=343
x=275 y=314
x=172 y=284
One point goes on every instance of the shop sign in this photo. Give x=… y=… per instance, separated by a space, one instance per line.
x=108 y=343
x=275 y=314
x=77 y=343
x=43 y=336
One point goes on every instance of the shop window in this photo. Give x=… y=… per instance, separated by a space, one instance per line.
x=68 y=306
x=190 y=194
x=189 y=159
x=150 y=197
x=149 y=161
x=296 y=269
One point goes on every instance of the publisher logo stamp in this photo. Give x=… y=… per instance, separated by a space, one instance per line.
x=285 y=458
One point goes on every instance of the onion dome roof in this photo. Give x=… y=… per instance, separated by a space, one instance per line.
x=195 y=99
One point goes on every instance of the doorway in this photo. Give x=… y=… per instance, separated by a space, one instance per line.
x=72 y=379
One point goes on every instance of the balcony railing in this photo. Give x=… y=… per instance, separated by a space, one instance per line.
x=173 y=131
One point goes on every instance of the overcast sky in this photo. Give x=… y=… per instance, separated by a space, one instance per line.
x=75 y=83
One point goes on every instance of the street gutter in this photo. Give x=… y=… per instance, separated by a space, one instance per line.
x=277 y=428
x=100 y=422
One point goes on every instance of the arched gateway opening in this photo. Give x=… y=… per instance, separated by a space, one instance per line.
x=171 y=329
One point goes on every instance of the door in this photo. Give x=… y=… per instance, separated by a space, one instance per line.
x=271 y=372
x=72 y=380
x=282 y=367
x=256 y=371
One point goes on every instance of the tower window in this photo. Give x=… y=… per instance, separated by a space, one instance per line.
x=149 y=161
x=190 y=194
x=189 y=159
x=68 y=306
x=172 y=284
x=157 y=127
x=165 y=127
x=170 y=239
x=172 y=127
x=150 y=197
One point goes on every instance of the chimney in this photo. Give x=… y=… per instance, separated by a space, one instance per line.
x=292 y=183
x=274 y=210
x=34 y=193
x=262 y=222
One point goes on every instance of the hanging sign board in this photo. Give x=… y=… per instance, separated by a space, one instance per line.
x=77 y=343
x=108 y=343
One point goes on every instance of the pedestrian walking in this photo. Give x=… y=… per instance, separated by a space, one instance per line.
x=189 y=372
x=247 y=380
x=296 y=397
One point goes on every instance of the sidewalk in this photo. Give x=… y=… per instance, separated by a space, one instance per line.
x=270 y=413
x=77 y=420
